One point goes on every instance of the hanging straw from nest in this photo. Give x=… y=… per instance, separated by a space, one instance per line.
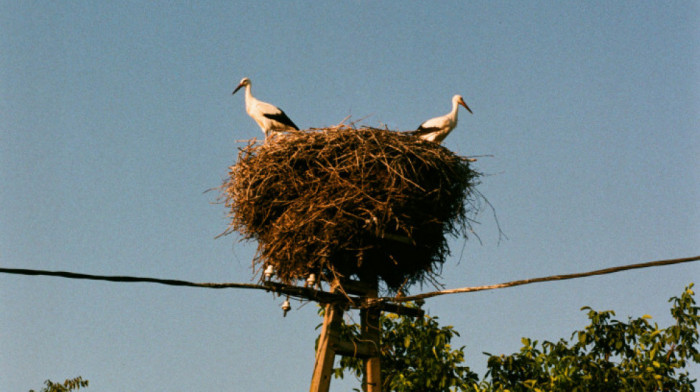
x=342 y=201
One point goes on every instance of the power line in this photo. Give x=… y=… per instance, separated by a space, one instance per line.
x=604 y=271
x=326 y=297
x=124 y=279
x=301 y=292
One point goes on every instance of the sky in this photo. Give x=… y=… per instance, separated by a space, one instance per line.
x=117 y=117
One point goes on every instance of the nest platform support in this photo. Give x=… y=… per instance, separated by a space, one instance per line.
x=330 y=344
x=325 y=353
x=370 y=330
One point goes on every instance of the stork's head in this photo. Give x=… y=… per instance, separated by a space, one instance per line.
x=244 y=82
x=457 y=99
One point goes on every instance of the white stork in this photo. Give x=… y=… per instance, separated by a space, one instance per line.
x=269 y=117
x=436 y=129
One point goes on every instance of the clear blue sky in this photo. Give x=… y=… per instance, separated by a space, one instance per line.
x=114 y=119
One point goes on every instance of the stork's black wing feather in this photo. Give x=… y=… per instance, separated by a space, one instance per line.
x=423 y=131
x=281 y=117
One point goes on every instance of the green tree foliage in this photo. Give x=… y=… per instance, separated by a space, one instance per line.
x=67 y=386
x=607 y=355
x=415 y=355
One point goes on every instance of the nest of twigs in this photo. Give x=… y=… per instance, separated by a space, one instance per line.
x=346 y=202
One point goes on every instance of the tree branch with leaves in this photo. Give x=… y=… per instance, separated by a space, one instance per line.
x=606 y=355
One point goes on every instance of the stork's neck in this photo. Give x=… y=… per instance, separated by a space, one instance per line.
x=455 y=110
x=248 y=94
x=249 y=99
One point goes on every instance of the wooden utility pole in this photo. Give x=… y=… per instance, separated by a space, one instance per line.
x=367 y=347
x=330 y=344
x=325 y=353
x=370 y=332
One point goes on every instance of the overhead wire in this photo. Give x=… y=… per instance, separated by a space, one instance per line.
x=550 y=278
x=321 y=296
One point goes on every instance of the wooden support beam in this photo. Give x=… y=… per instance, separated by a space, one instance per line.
x=355 y=349
x=365 y=289
x=356 y=289
x=310 y=293
x=325 y=353
x=401 y=310
x=370 y=332
x=367 y=347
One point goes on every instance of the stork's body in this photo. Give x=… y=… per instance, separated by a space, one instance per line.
x=270 y=118
x=436 y=129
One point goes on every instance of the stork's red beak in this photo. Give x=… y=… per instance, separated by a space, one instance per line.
x=461 y=102
x=237 y=88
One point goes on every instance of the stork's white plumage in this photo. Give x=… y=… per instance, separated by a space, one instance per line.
x=270 y=118
x=436 y=129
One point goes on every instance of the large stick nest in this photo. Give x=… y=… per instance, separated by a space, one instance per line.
x=343 y=202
